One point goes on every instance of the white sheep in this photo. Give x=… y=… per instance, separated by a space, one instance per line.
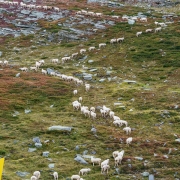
x=149 y=30
x=75 y=91
x=33 y=68
x=95 y=160
x=54 y=60
x=98 y=14
x=103 y=112
x=102 y=45
x=93 y=115
x=115 y=118
x=76 y=105
x=112 y=41
x=83 y=108
x=115 y=154
x=111 y=114
x=143 y=19
x=116 y=17
x=118 y=160
x=124 y=122
x=127 y=130
x=105 y=162
x=157 y=29
x=120 y=39
x=124 y=18
x=24 y=69
x=64 y=59
x=82 y=51
x=75 y=177
x=55 y=174
x=121 y=153
x=42 y=61
x=105 y=168
x=162 y=24
x=107 y=110
x=117 y=123
x=74 y=54
x=80 y=99
x=87 y=87
x=38 y=64
x=84 y=171
x=91 y=48
x=37 y=174
x=6 y=62
x=44 y=71
x=33 y=178
x=156 y=23
x=129 y=141
x=92 y=109
x=138 y=33
x=86 y=112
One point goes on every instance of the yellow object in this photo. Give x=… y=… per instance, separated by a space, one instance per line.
x=1 y=167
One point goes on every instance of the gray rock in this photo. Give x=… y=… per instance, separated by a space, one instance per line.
x=117 y=171
x=51 y=165
x=93 y=152
x=177 y=140
x=85 y=152
x=77 y=148
x=87 y=77
x=1 y=53
x=86 y=156
x=130 y=21
x=32 y=149
x=45 y=153
x=102 y=80
x=130 y=166
x=60 y=128
x=27 y=111
x=90 y=61
x=93 y=70
x=36 y=140
x=38 y=145
x=79 y=159
x=26 y=12
x=151 y=177
x=138 y=158
x=117 y=104
x=22 y=174
x=49 y=70
x=108 y=72
x=145 y=174
x=18 y=74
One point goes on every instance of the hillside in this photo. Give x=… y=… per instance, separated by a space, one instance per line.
x=137 y=78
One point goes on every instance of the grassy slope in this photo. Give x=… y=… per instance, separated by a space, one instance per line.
x=135 y=57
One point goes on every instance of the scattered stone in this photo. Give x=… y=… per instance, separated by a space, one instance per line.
x=22 y=174
x=77 y=148
x=51 y=165
x=117 y=171
x=93 y=70
x=131 y=21
x=93 y=152
x=1 y=53
x=32 y=149
x=145 y=174
x=130 y=166
x=177 y=140
x=102 y=80
x=90 y=61
x=45 y=154
x=138 y=158
x=38 y=145
x=60 y=128
x=86 y=156
x=18 y=74
x=85 y=152
x=26 y=111
x=79 y=159
x=117 y=104
x=49 y=70
x=151 y=177
x=36 y=140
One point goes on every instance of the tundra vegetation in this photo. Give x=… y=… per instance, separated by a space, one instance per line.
x=149 y=101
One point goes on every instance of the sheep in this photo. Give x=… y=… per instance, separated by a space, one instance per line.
x=56 y=9
x=156 y=23
x=124 y=122
x=112 y=41
x=82 y=51
x=6 y=62
x=121 y=153
x=41 y=61
x=55 y=174
x=33 y=178
x=87 y=87
x=95 y=160
x=90 y=13
x=64 y=59
x=125 y=18
x=24 y=69
x=115 y=154
x=103 y=112
x=44 y=71
x=37 y=174
x=157 y=29
x=116 y=17
x=76 y=105
x=143 y=19
x=84 y=12
x=75 y=92
x=105 y=162
x=38 y=64
x=127 y=130
x=162 y=24
x=95 y=30
x=149 y=30
x=105 y=168
x=107 y=110
x=117 y=123
x=84 y=171
x=111 y=114
x=93 y=115
x=83 y=108
x=92 y=109
x=86 y=112
x=80 y=99
x=129 y=141
x=75 y=177
x=102 y=45
x=115 y=118
x=120 y=39
x=138 y=33
x=98 y=14
x=91 y=48
x=54 y=60
x=74 y=54
x=118 y=160
x=33 y=68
